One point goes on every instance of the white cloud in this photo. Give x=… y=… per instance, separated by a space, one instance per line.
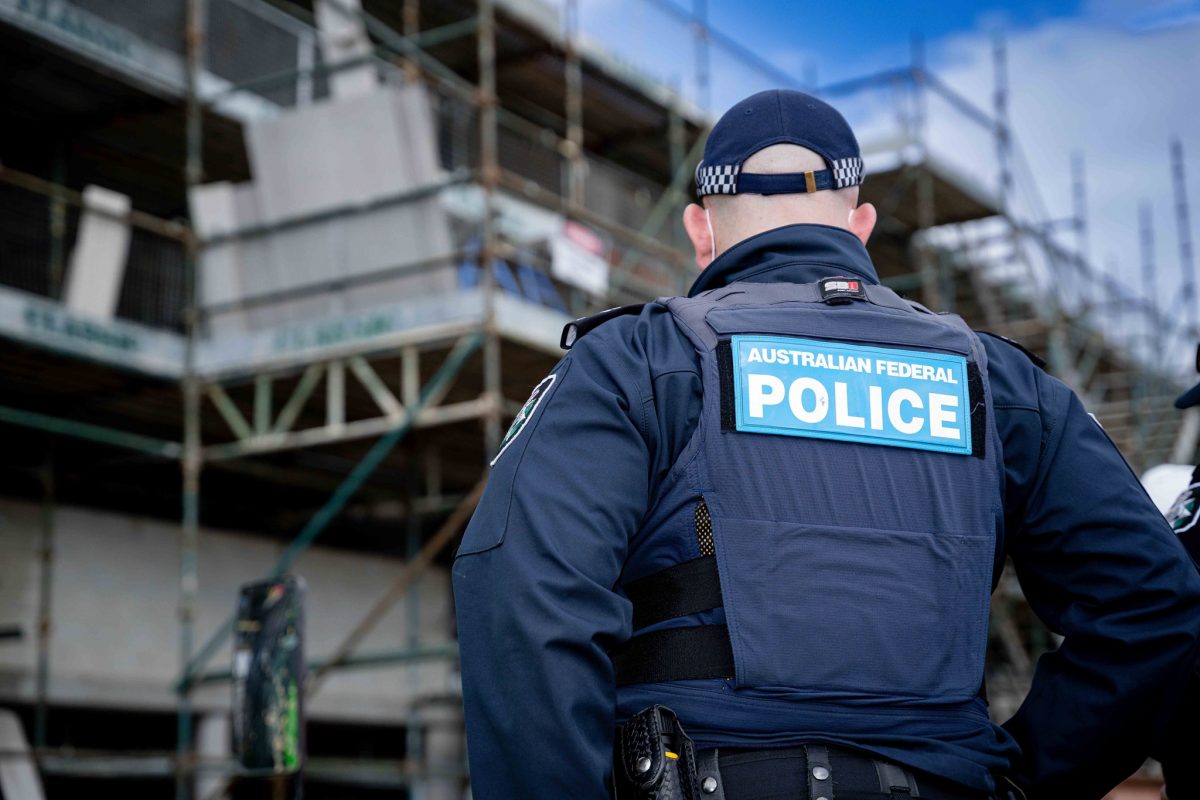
x=1117 y=97
x=1143 y=14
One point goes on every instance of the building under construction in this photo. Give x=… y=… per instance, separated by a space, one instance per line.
x=274 y=277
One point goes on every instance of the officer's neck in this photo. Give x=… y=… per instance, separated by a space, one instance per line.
x=799 y=253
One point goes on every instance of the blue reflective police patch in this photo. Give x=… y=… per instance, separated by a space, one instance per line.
x=852 y=393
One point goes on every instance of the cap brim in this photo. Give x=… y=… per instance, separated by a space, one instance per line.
x=1189 y=398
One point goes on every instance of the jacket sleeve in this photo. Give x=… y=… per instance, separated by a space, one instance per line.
x=534 y=584
x=1100 y=566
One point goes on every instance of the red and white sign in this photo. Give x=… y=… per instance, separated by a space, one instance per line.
x=579 y=256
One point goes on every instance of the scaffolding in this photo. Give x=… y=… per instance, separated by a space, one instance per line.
x=530 y=111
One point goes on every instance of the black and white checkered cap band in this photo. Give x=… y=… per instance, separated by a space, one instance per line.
x=723 y=179
x=847 y=172
x=717 y=180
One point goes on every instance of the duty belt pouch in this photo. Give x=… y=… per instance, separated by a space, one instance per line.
x=654 y=759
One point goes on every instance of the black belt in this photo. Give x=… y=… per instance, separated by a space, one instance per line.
x=818 y=771
x=653 y=757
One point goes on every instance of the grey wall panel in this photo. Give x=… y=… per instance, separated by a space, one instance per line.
x=341 y=151
x=116 y=632
x=323 y=159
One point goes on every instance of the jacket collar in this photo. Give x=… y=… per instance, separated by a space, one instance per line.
x=791 y=254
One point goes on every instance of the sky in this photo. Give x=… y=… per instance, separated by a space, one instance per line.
x=1112 y=80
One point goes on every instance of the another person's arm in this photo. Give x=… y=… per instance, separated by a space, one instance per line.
x=1100 y=566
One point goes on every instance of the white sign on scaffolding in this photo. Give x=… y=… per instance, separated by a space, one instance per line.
x=579 y=257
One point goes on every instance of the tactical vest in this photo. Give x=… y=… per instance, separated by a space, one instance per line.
x=842 y=497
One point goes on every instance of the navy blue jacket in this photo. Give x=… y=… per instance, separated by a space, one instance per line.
x=538 y=609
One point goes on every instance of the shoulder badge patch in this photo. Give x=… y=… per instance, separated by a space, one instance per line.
x=1182 y=515
x=525 y=414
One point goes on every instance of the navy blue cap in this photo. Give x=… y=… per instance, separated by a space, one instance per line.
x=778 y=116
x=1192 y=396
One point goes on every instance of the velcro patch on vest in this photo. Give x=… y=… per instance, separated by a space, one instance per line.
x=852 y=393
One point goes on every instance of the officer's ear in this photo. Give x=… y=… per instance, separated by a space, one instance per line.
x=862 y=221
x=696 y=224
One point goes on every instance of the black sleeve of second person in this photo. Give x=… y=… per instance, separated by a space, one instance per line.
x=1100 y=566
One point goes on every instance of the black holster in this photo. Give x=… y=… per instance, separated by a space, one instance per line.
x=653 y=759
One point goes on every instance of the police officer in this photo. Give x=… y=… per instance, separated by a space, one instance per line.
x=1180 y=745
x=768 y=516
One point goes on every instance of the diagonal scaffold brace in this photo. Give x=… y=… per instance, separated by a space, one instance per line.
x=454 y=362
x=411 y=570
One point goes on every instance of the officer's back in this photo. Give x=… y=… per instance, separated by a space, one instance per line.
x=777 y=507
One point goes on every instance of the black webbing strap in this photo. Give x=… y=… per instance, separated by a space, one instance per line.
x=978 y=411
x=820 y=771
x=675 y=654
x=676 y=591
x=725 y=382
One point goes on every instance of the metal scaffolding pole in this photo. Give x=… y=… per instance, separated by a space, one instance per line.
x=45 y=596
x=677 y=144
x=412 y=606
x=58 y=193
x=1079 y=203
x=923 y=252
x=189 y=579
x=1149 y=267
x=932 y=264
x=58 y=226
x=1141 y=391
x=1183 y=220
x=412 y=18
x=91 y=433
x=574 y=105
x=702 y=55
x=372 y=659
x=490 y=178
x=189 y=540
x=1000 y=108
